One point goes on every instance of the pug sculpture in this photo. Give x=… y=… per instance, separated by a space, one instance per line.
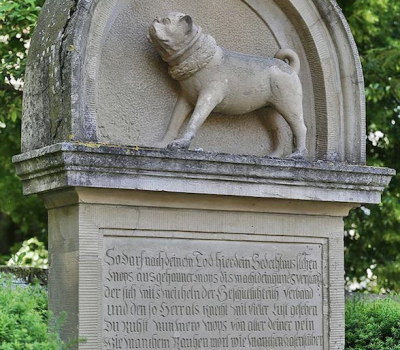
x=214 y=79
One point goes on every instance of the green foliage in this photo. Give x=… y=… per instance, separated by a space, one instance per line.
x=17 y=21
x=373 y=325
x=373 y=238
x=33 y=253
x=20 y=218
x=24 y=318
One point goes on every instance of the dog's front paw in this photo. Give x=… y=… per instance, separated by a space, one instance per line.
x=179 y=144
x=298 y=155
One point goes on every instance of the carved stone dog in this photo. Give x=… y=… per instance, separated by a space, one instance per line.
x=214 y=79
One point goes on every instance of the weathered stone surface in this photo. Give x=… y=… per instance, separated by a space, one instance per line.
x=96 y=165
x=48 y=110
x=100 y=80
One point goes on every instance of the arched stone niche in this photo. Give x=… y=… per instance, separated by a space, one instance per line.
x=92 y=76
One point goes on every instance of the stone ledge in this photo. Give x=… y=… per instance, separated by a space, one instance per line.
x=103 y=166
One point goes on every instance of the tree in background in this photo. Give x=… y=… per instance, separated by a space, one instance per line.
x=20 y=217
x=373 y=232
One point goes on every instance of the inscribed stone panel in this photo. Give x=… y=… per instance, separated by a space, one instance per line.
x=186 y=294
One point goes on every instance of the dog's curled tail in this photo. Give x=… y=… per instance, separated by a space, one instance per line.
x=290 y=57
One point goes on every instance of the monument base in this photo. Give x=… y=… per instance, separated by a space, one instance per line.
x=160 y=250
x=134 y=267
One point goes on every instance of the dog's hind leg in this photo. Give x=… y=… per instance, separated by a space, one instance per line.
x=288 y=101
x=299 y=130
x=293 y=114
x=181 y=111
x=278 y=131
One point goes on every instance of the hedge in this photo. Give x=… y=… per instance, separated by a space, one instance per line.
x=24 y=317
x=373 y=324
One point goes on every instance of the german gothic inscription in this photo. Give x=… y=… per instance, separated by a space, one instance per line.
x=193 y=294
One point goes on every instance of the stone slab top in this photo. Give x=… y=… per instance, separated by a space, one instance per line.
x=94 y=165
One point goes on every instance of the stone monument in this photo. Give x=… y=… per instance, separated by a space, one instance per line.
x=209 y=243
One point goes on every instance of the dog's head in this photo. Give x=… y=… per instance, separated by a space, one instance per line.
x=172 y=33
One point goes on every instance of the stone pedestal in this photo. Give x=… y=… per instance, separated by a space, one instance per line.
x=156 y=249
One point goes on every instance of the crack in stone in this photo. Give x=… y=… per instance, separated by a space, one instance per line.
x=62 y=59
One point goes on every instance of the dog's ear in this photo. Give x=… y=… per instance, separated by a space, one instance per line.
x=188 y=21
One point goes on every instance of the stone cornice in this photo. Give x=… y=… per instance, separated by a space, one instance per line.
x=103 y=166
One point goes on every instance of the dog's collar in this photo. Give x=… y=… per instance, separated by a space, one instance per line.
x=185 y=49
x=197 y=59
